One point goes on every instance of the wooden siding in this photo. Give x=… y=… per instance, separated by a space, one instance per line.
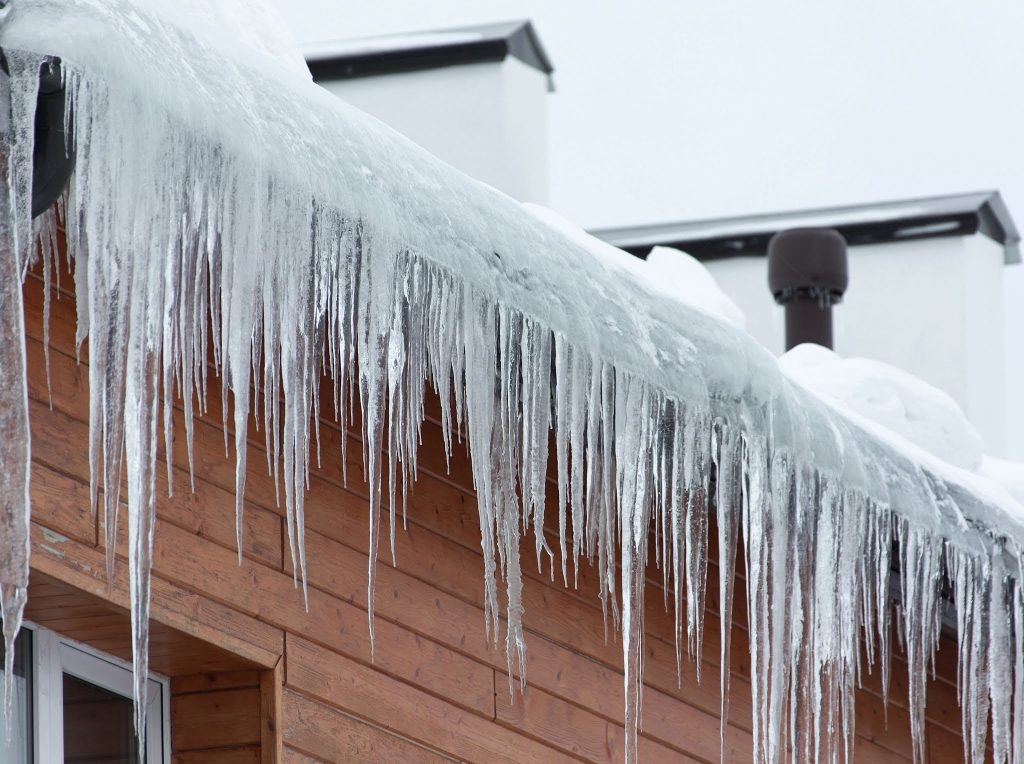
x=297 y=684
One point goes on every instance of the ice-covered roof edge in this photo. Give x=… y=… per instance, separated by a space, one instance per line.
x=982 y=213
x=314 y=226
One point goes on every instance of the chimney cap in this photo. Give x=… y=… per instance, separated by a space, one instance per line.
x=807 y=262
x=420 y=51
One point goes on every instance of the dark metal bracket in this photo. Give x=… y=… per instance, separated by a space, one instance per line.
x=53 y=155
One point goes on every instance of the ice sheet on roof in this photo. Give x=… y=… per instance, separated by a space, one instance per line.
x=317 y=241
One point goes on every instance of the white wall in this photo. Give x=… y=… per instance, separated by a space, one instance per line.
x=933 y=307
x=487 y=119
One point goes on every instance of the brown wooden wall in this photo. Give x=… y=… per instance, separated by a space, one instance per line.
x=256 y=674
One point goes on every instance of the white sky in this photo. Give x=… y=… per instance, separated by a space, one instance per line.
x=688 y=109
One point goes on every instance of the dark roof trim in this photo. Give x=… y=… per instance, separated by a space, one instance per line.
x=394 y=54
x=940 y=216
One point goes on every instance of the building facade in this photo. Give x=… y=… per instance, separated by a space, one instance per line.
x=252 y=675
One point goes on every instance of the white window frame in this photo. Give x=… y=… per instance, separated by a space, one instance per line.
x=53 y=656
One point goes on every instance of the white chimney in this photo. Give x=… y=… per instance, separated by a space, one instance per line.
x=925 y=291
x=476 y=97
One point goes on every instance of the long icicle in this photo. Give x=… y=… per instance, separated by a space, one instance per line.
x=17 y=114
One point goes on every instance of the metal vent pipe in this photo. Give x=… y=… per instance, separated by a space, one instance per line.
x=808 y=274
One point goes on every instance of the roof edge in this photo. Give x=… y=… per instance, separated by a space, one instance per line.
x=982 y=212
x=423 y=51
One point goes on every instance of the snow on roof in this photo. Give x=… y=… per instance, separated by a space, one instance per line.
x=212 y=185
x=666 y=272
x=913 y=417
x=920 y=413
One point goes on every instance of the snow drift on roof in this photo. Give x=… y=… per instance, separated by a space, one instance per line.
x=314 y=240
x=921 y=413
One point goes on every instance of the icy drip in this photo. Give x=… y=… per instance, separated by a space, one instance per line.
x=17 y=115
x=649 y=444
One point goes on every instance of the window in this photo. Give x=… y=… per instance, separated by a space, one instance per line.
x=73 y=704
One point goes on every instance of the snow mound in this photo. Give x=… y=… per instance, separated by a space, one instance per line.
x=610 y=257
x=682 y=276
x=906 y=405
x=1010 y=475
x=667 y=272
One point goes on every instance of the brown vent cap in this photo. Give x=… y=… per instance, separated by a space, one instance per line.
x=808 y=263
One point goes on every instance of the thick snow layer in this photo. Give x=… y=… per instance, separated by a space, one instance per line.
x=914 y=418
x=245 y=29
x=249 y=31
x=1010 y=475
x=311 y=240
x=621 y=264
x=682 y=276
x=667 y=272
x=910 y=407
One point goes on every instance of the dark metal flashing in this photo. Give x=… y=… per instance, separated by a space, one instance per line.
x=941 y=216
x=394 y=54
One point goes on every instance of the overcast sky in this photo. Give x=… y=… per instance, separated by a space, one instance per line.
x=685 y=109
x=688 y=109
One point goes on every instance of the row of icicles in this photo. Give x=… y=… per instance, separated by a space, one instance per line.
x=636 y=468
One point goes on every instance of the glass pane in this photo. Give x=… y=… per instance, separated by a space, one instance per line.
x=19 y=748
x=98 y=725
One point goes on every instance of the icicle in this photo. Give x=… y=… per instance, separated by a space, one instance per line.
x=562 y=387
x=535 y=359
x=756 y=526
x=13 y=599
x=727 y=453
x=632 y=451
x=1017 y=744
x=142 y=395
x=46 y=243
x=698 y=440
x=479 y=334
x=17 y=114
x=920 y=556
x=1000 y=683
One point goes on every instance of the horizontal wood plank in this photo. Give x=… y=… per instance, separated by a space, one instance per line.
x=405 y=710
x=248 y=754
x=220 y=719
x=211 y=681
x=333 y=735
